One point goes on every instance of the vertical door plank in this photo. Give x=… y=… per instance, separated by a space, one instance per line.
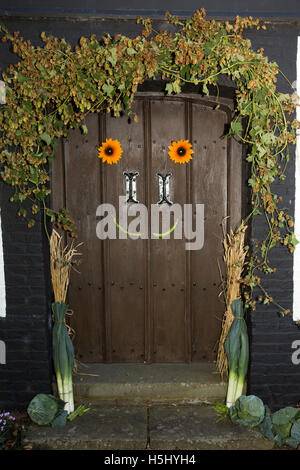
x=209 y=187
x=168 y=272
x=57 y=175
x=83 y=195
x=148 y=191
x=127 y=256
x=235 y=184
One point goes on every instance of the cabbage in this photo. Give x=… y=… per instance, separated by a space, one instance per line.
x=294 y=440
x=283 y=426
x=282 y=423
x=285 y=415
x=43 y=408
x=247 y=411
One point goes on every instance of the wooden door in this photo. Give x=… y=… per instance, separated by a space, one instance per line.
x=150 y=299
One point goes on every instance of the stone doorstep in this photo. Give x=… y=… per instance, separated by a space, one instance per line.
x=152 y=427
x=154 y=382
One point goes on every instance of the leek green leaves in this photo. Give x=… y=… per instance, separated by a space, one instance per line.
x=237 y=350
x=63 y=355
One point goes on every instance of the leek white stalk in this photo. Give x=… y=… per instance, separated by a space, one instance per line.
x=243 y=361
x=232 y=386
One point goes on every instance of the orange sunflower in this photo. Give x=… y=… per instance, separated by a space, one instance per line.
x=181 y=151
x=110 y=151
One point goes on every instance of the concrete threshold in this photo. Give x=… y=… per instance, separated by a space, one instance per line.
x=147 y=427
x=195 y=382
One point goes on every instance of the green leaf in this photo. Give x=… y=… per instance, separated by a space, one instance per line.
x=27 y=105
x=121 y=86
x=266 y=426
x=169 y=88
x=222 y=410
x=46 y=138
x=235 y=127
x=283 y=97
x=186 y=72
x=282 y=431
x=295 y=431
x=84 y=128
x=285 y=415
x=113 y=57
x=279 y=440
x=21 y=78
x=60 y=419
x=292 y=239
x=268 y=138
x=208 y=47
x=251 y=182
x=78 y=412
x=239 y=57
x=130 y=51
x=292 y=442
x=176 y=87
x=205 y=89
x=108 y=89
x=34 y=177
x=261 y=150
x=58 y=124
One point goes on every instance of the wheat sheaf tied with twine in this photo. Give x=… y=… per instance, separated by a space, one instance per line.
x=234 y=258
x=62 y=259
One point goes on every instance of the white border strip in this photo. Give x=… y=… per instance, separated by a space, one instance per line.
x=2 y=278
x=296 y=303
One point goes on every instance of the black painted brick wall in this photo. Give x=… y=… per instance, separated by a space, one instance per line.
x=26 y=327
x=272 y=375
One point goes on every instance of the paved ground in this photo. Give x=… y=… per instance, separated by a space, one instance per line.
x=148 y=406
x=140 y=426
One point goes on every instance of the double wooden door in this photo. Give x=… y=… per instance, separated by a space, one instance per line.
x=150 y=299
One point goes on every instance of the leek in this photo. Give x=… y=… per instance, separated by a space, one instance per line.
x=63 y=355
x=80 y=410
x=237 y=350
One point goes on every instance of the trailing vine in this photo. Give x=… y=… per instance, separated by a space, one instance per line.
x=54 y=87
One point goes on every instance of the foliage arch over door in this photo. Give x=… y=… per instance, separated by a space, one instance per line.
x=53 y=88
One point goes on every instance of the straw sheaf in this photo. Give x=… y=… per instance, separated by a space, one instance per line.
x=234 y=258
x=61 y=262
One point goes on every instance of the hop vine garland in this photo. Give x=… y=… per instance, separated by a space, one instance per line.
x=54 y=87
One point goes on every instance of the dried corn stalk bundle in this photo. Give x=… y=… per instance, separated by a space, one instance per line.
x=234 y=258
x=61 y=261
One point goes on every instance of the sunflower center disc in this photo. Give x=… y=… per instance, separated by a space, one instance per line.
x=181 y=151
x=109 y=151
